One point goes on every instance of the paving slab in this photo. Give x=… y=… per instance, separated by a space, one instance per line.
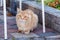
x=1 y=27
x=21 y=36
x=1 y=24
x=1 y=39
x=33 y=36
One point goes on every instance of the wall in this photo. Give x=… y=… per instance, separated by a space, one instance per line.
x=1 y=3
x=52 y=16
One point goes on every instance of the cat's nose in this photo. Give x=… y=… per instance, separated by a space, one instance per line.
x=22 y=17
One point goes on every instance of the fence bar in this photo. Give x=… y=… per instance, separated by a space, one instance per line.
x=43 y=16
x=5 y=20
x=20 y=4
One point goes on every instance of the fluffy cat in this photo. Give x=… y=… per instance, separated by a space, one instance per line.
x=26 y=21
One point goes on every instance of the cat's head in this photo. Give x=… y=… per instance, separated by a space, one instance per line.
x=24 y=15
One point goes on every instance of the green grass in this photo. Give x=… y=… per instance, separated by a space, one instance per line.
x=47 y=1
x=38 y=1
x=58 y=6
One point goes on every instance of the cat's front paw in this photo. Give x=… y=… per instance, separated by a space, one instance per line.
x=27 y=32
x=19 y=31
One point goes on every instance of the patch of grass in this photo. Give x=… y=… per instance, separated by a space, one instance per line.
x=38 y=1
x=53 y=3
x=13 y=38
x=47 y=1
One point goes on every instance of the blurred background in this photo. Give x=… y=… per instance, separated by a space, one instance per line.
x=52 y=17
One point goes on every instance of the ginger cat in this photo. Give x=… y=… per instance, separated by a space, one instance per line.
x=26 y=21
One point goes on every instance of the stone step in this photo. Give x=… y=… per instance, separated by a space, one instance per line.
x=19 y=36
x=33 y=36
x=2 y=17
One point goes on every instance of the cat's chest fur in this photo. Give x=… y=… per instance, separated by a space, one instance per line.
x=23 y=22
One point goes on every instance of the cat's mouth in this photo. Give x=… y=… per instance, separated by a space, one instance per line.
x=22 y=21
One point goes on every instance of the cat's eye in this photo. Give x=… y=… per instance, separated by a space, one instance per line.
x=25 y=16
x=19 y=15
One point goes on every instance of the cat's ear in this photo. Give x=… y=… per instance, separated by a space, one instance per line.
x=18 y=10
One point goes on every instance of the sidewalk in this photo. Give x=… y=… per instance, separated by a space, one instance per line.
x=12 y=28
